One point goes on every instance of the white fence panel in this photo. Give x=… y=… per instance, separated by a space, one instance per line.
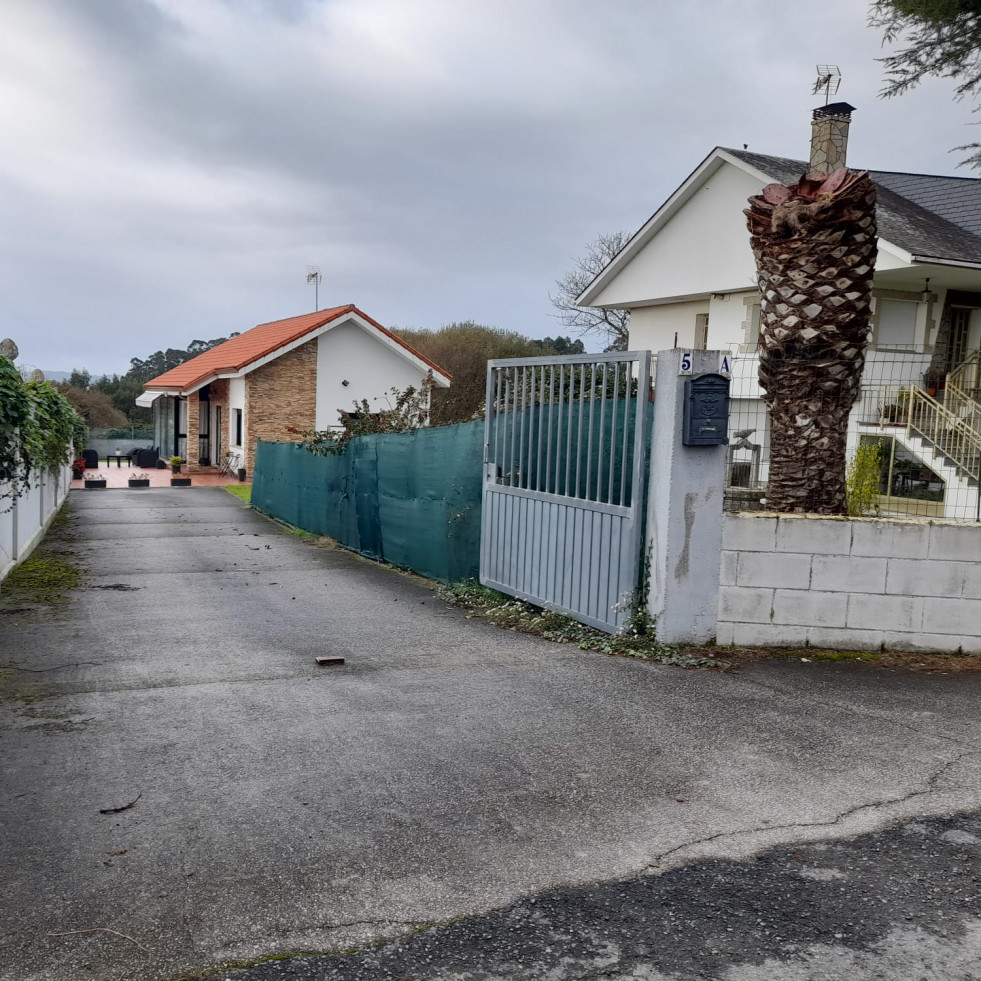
x=22 y=526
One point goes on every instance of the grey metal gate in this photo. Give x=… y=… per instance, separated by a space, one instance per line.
x=564 y=477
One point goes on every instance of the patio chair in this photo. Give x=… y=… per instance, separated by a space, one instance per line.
x=230 y=464
x=91 y=458
x=146 y=457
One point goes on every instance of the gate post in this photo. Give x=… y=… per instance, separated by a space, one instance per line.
x=684 y=510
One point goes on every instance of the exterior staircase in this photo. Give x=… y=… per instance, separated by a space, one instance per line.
x=947 y=435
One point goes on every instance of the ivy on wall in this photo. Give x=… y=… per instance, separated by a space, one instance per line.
x=39 y=430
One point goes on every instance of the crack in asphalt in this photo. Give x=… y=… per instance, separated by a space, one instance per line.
x=930 y=786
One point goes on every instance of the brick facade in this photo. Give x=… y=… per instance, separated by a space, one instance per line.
x=278 y=395
x=193 y=415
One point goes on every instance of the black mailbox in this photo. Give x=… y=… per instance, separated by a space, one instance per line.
x=706 y=418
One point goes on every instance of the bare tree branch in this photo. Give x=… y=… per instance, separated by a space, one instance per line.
x=610 y=324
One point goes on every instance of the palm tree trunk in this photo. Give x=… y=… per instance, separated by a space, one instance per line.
x=815 y=249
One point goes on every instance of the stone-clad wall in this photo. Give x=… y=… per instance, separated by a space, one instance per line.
x=850 y=583
x=193 y=423
x=278 y=395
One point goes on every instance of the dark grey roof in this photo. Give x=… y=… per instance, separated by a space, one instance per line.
x=958 y=199
x=927 y=216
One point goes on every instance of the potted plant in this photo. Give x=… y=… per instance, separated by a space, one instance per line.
x=139 y=480
x=78 y=468
x=933 y=379
x=175 y=465
x=94 y=480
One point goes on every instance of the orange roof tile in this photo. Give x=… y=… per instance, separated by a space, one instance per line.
x=238 y=352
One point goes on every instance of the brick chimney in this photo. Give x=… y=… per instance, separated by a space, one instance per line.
x=829 y=136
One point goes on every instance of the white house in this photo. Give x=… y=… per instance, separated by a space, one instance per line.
x=688 y=278
x=278 y=377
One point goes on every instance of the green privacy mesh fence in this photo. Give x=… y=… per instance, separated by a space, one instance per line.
x=412 y=499
x=583 y=449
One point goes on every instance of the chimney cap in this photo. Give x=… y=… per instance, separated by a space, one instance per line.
x=842 y=109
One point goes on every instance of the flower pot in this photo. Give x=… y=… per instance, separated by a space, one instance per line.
x=78 y=474
x=138 y=483
x=95 y=485
x=180 y=481
x=932 y=392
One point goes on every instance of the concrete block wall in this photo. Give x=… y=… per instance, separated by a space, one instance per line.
x=850 y=583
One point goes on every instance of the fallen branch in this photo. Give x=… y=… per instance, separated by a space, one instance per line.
x=125 y=807
x=125 y=936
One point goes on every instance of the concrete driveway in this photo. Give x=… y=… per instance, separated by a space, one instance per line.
x=448 y=768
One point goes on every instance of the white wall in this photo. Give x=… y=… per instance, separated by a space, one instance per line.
x=236 y=400
x=850 y=583
x=654 y=328
x=348 y=352
x=22 y=526
x=703 y=249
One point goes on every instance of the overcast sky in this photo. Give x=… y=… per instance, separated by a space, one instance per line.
x=169 y=168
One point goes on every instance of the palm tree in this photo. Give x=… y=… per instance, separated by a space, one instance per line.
x=815 y=249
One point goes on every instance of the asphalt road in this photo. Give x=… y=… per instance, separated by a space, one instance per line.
x=898 y=904
x=448 y=770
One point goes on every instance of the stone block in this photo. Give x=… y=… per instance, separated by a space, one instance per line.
x=890 y=539
x=820 y=536
x=807 y=608
x=955 y=542
x=953 y=616
x=911 y=577
x=869 y=612
x=844 y=574
x=972 y=580
x=844 y=638
x=723 y=634
x=746 y=604
x=749 y=532
x=931 y=643
x=762 y=635
x=727 y=568
x=773 y=569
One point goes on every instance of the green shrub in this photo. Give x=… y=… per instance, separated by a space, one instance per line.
x=862 y=480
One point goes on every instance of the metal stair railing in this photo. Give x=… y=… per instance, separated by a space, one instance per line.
x=950 y=435
x=966 y=377
x=962 y=395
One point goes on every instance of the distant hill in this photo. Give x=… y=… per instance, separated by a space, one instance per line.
x=55 y=376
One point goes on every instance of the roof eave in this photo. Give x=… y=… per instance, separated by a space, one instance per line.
x=934 y=261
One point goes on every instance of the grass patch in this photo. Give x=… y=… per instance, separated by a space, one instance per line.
x=41 y=578
x=242 y=491
x=638 y=641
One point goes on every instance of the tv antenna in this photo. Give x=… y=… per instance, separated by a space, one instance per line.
x=828 y=79
x=314 y=276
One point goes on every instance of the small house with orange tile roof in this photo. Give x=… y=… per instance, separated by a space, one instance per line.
x=298 y=373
